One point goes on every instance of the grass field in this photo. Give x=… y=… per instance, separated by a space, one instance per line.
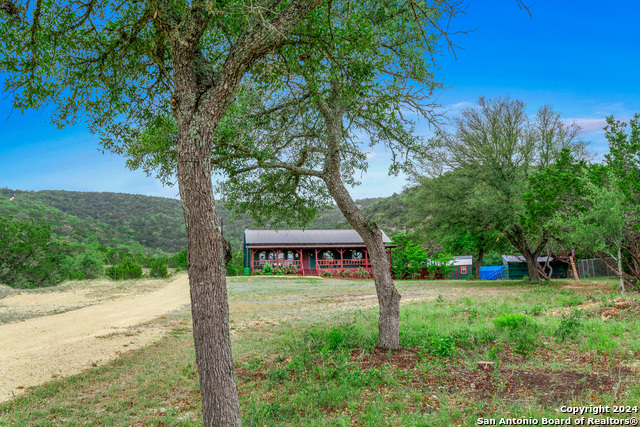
x=304 y=356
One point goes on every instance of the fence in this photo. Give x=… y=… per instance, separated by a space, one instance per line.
x=595 y=267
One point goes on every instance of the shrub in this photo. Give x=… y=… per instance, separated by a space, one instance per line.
x=127 y=269
x=521 y=329
x=408 y=257
x=325 y=273
x=267 y=268
x=569 y=326
x=346 y=274
x=158 y=268
x=234 y=266
x=536 y=310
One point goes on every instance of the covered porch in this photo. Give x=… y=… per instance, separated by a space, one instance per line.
x=313 y=261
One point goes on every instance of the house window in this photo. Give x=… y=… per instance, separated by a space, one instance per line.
x=272 y=256
x=463 y=269
x=262 y=256
x=290 y=255
x=356 y=255
x=327 y=255
x=280 y=255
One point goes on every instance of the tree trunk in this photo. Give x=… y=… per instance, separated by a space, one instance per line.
x=518 y=239
x=620 y=275
x=477 y=263
x=209 y=307
x=388 y=295
x=532 y=266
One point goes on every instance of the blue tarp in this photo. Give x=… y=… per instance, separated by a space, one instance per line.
x=491 y=273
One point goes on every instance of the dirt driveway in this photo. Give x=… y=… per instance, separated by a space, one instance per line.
x=55 y=332
x=39 y=349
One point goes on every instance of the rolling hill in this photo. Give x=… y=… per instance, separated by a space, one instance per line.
x=155 y=224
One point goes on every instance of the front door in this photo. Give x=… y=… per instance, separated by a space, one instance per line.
x=305 y=260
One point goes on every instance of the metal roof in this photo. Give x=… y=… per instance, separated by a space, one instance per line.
x=305 y=237
x=457 y=260
x=520 y=258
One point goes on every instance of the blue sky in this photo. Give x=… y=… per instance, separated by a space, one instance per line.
x=581 y=57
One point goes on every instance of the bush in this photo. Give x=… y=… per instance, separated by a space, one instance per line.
x=158 y=269
x=180 y=260
x=362 y=273
x=234 y=267
x=520 y=328
x=26 y=258
x=127 y=269
x=569 y=326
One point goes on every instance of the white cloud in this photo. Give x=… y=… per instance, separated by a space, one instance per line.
x=589 y=126
x=459 y=106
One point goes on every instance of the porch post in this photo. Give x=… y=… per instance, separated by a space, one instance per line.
x=252 y=257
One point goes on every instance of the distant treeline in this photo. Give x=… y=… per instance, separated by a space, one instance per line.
x=31 y=258
x=155 y=225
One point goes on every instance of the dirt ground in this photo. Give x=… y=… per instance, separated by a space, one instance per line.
x=93 y=325
x=57 y=332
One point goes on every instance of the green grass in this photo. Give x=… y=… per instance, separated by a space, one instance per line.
x=304 y=351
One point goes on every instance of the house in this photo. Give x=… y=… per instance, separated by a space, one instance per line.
x=514 y=267
x=311 y=252
x=462 y=268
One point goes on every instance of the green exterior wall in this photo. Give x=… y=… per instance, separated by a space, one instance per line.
x=457 y=275
x=517 y=270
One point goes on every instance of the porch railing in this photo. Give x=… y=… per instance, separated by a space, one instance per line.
x=344 y=263
x=276 y=263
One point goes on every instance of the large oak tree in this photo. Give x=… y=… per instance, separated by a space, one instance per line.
x=501 y=147
x=120 y=65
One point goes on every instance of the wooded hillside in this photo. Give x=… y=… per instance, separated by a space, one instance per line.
x=155 y=223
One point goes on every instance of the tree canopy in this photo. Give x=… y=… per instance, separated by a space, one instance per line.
x=500 y=147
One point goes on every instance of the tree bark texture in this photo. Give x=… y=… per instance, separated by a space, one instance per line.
x=209 y=307
x=200 y=99
x=620 y=275
x=517 y=237
x=388 y=295
x=477 y=263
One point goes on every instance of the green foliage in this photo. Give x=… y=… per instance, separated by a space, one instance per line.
x=497 y=147
x=521 y=329
x=181 y=260
x=267 y=268
x=569 y=326
x=408 y=257
x=25 y=257
x=362 y=273
x=127 y=269
x=109 y=219
x=158 y=269
x=536 y=310
x=449 y=212
x=441 y=264
x=234 y=267
x=568 y=298
x=89 y=265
